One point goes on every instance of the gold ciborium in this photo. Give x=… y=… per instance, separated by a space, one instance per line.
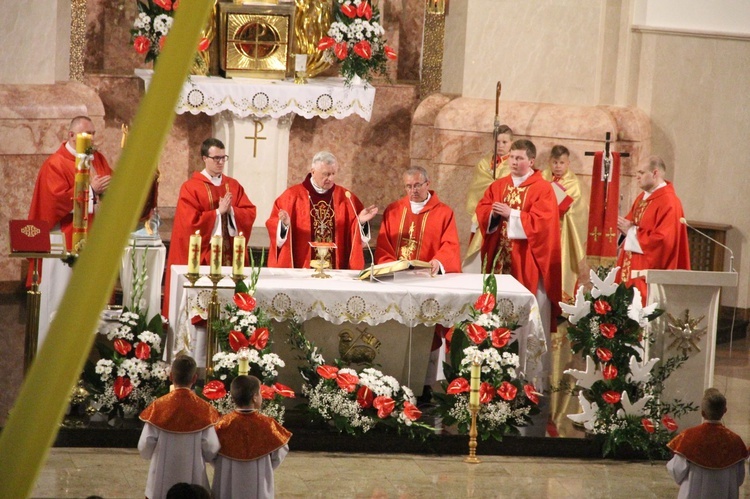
x=322 y=249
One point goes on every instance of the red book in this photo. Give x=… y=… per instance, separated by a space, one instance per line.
x=29 y=236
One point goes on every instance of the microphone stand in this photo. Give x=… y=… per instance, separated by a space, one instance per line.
x=362 y=235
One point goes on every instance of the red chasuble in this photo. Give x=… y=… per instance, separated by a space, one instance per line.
x=246 y=436
x=52 y=200
x=539 y=254
x=196 y=210
x=431 y=234
x=316 y=217
x=180 y=411
x=662 y=237
x=710 y=445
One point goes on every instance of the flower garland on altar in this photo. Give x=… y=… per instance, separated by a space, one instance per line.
x=245 y=340
x=355 y=402
x=620 y=392
x=355 y=40
x=506 y=399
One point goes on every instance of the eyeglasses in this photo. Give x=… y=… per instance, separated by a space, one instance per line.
x=415 y=187
x=218 y=159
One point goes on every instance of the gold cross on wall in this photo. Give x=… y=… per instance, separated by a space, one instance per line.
x=259 y=126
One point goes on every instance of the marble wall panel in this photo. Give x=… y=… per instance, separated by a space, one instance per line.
x=410 y=39
x=28 y=35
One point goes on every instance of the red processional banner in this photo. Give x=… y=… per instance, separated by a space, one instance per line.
x=601 y=243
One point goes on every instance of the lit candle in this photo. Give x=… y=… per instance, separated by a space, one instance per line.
x=215 y=255
x=475 y=374
x=238 y=258
x=194 y=253
x=243 y=358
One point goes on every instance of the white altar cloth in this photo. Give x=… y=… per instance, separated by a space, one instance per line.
x=411 y=299
x=243 y=97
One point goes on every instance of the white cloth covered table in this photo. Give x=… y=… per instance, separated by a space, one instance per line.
x=412 y=298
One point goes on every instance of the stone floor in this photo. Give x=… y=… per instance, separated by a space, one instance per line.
x=79 y=472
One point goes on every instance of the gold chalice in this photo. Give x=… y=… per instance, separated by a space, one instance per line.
x=322 y=249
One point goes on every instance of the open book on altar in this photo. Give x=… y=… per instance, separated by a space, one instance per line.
x=390 y=268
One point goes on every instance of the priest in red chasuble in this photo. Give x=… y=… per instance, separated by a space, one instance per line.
x=52 y=200
x=212 y=203
x=318 y=210
x=419 y=227
x=519 y=220
x=655 y=237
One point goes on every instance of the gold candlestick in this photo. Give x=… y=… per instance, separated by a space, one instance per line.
x=212 y=341
x=472 y=457
x=476 y=373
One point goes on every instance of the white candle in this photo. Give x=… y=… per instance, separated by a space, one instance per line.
x=215 y=255
x=194 y=253
x=474 y=394
x=238 y=257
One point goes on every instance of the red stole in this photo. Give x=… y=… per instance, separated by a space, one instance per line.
x=246 y=436
x=710 y=445
x=601 y=243
x=180 y=411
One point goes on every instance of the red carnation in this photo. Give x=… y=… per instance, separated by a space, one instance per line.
x=365 y=397
x=601 y=307
x=476 y=333
x=500 y=337
x=123 y=347
x=609 y=371
x=611 y=396
x=141 y=44
x=458 y=385
x=363 y=49
x=122 y=387
x=384 y=405
x=214 y=390
x=142 y=350
x=507 y=391
x=604 y=354
x=327 y=372
x=669 y=423
x=244 y=301
x=531 y=393
x=608 y=330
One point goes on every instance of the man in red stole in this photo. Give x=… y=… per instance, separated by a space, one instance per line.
x=419 y=227
x=212 y=203
x=52 y=200
x=178 y=435
x=655 y=238
x=318 y=210
x=709 y=459
x=252 y=446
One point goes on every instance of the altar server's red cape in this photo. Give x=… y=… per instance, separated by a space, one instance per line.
x=180 y=411
x=710 y=445
x=246 y=436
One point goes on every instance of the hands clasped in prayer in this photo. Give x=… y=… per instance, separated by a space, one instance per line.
x=501 y=209
x=99 y=183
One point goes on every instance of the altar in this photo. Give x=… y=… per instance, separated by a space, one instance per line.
x=400 y=314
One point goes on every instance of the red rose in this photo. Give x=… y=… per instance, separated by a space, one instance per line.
x=531 y=393
x=507 y=391
x=364 y=10
x=384 y=405
x=363 y=49
x=214 y=390
x=325 y=43
x=327 y=372
x=608 y=330
x=486 y=302
x=486 y=393
x=611 y=397
x=601 y=307
x=340 y=50
x=244 y=302
x=259 y=338
x=237 y=340
x=609 y=371
x=669 y=423
x=458 y=385
x=267 y=392
x=500 y=337
x=411 y=412
x=349 y=10
x=365 y=397
x=347 y=382
x=203 y=44
x=283 y=390
x=604 y=354
x=123 y=347
x=122 y=387
x=648 y=425
x=476 y=333
x=142 y=350
x=141 y=44
x=391 y=54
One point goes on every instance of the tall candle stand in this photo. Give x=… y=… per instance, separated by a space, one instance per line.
x=476 y=374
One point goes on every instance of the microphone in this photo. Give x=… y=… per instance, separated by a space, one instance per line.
x=362 y=234
x=731 y=253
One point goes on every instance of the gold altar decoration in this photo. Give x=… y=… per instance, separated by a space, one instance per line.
x=77 y=39
x=311 y=22
x=202 y=63
x=685 y=333
x=432 y=48
x=256 y=40
x=323 y=262
x=81 y=192
x=358 y=346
